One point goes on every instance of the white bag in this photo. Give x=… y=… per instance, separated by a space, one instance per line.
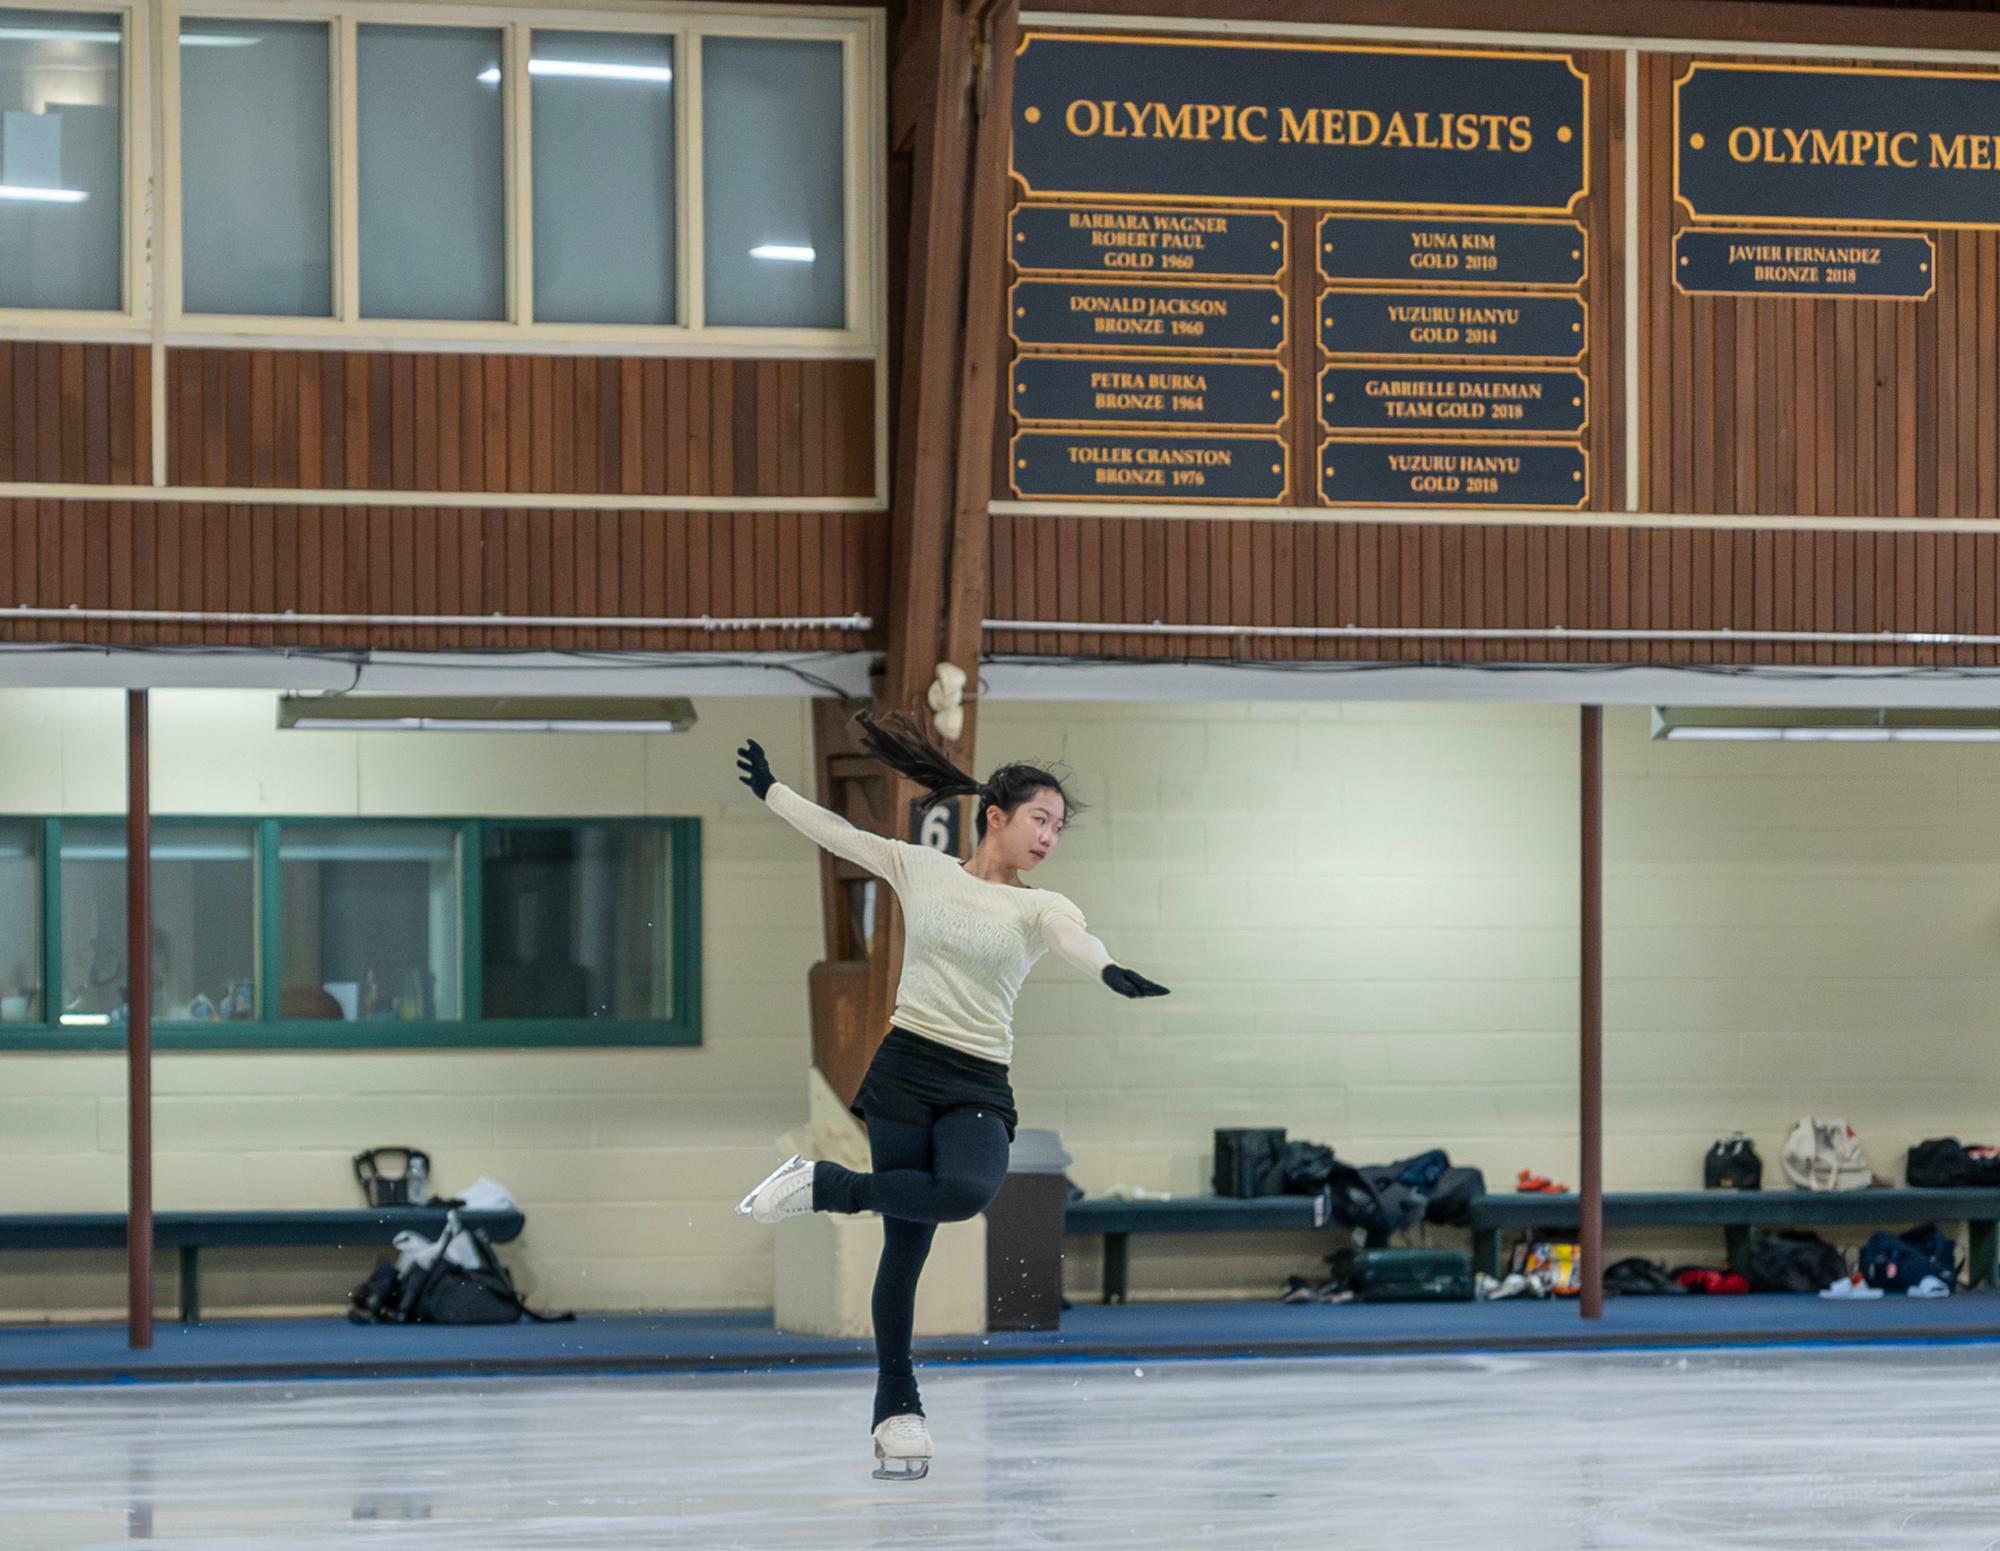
x=1826 y=1155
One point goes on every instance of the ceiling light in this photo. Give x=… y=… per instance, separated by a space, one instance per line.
x=1829 y=724
x=490 y=75
x=46 y=196
x=587 y=70
x=783 y=253
x=216 y=40
x=57 y=35
x=436 y=713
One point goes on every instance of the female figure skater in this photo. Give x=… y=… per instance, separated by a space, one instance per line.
x=939 y=1110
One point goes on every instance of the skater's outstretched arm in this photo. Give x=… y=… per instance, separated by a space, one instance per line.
x=1072 y=942
x=825 y=829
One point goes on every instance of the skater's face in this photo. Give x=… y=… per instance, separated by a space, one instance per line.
x=1027 y=837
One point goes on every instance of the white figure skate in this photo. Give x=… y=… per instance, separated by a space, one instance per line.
x=787 y=1192
x=902 y=1448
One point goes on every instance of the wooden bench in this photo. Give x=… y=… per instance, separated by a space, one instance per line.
x=1117 y=1220
x=192 y=1232
x=1738 y=1212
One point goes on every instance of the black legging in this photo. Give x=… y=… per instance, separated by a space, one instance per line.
x=924 y=1175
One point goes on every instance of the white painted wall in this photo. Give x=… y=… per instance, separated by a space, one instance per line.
x=1367 y=914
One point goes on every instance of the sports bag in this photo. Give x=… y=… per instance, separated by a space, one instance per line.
x=458 y=1280
x=1733 y=1164
x=1636 y=1277
x=1248 y=1161
x=1896 y=1262
x=1944 y=1163
x=1404 y=1275
x=1793 y=1263
x=1826 y=1155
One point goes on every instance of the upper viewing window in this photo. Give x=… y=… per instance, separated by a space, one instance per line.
x=62 y=182
x=385 y=170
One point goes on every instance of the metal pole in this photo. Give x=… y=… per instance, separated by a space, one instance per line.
x=139 y=1023
x=1591 y=1022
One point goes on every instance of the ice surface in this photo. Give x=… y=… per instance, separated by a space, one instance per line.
x=1879 y=1448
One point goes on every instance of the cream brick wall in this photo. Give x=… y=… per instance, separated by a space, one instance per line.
x=1367 y=913
x=626 y=1160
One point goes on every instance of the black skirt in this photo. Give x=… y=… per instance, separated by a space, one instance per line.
x=915 y=1080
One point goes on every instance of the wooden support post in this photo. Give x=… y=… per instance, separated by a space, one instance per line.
x=1591 y=1020
x=138 y=1025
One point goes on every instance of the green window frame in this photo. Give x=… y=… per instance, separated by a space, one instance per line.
x=269 y=1031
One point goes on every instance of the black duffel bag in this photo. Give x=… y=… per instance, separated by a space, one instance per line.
x=1944 y=1163
x=1793 y=1263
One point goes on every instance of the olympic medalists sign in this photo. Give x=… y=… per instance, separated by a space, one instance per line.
x=1299 y=123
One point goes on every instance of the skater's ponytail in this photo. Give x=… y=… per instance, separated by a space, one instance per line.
x=898 y=741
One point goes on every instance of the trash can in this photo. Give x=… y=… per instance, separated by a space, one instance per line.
x=1024 y=1234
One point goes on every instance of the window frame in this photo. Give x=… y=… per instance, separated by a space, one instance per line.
x=135 y=175
x=267 y=1031
x=858 y=32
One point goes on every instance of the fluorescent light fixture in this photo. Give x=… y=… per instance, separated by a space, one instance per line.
x=583 y=69
x=783 y=253
x=87 y=1020
x=1829 y=724
x=216 y=40
x=587 y=70
x=44 y=196
x=438 y=713
x=58 y=35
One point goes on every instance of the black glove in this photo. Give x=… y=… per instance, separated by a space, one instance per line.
x=1130 y=983
x=756 y=769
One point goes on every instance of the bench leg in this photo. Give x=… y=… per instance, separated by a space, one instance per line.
x=1982 y=1251
x=1117 y=1265
x=1486 y=1250
x=1736 y=1247
x=190 y=1284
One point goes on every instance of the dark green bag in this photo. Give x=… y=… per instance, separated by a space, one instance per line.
x=1404 y=1275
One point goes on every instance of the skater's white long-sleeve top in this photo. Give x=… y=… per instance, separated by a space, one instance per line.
x=968 y=944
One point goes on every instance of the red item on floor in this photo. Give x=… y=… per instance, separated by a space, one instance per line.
x=1699 y=1279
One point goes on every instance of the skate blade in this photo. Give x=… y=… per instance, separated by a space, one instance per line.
x=902 y=1470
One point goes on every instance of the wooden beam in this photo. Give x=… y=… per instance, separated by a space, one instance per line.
x=981 y=370
x=1717 y=20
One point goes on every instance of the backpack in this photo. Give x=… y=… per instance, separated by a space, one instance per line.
x=458 y=1280
x=1794 y=1263
x=1896 y=1262
x=1733 y=1164
x=1304 y=1167
x=1943 y=1163
x=1826 y=1155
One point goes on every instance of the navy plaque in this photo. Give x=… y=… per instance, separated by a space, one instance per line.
x=1151 y=241
x=1436 y=473
x=1421 y=250
x=1504 y=325
x=1148 y=466
x=1118 y=390
x=1147 y=317
x=1896 y=267
x=1299 y=123
x=1493 y=400
x=1837 y=146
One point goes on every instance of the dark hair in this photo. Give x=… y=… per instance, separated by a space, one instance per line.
x=900 y=742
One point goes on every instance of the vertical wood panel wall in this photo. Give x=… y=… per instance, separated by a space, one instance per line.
x=75 y=413
x=569 y=425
